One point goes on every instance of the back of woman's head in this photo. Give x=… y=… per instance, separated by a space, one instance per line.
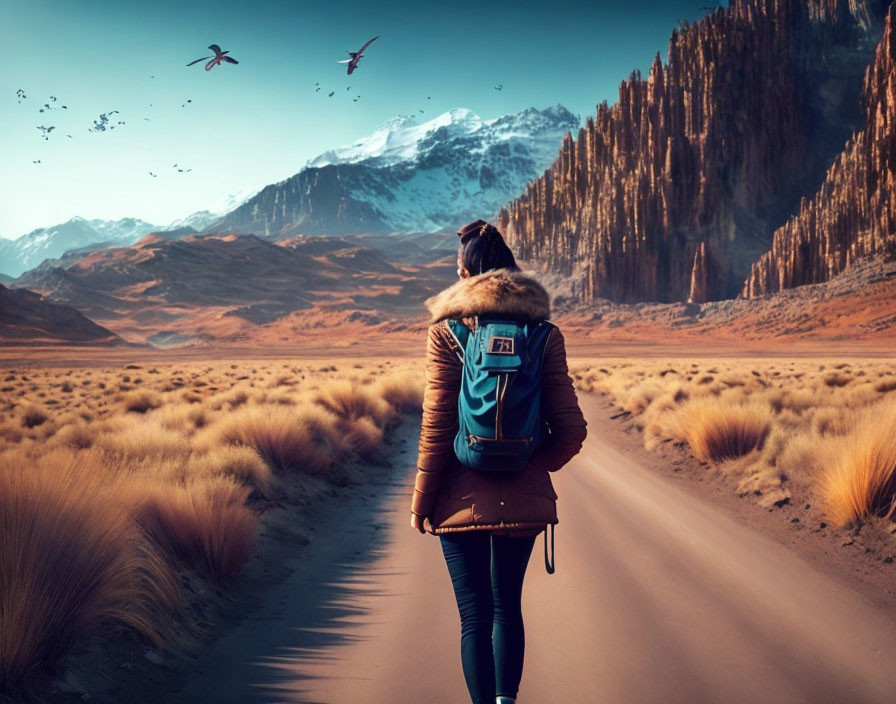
x=482 y=248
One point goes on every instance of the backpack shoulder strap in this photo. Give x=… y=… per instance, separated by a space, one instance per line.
x=541 y=333
x=459 y=333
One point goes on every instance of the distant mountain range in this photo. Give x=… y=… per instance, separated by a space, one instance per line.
x=29 y=250
x=26 y=252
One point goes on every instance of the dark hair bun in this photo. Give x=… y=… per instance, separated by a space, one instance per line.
x=482 y=248
x=471 y=229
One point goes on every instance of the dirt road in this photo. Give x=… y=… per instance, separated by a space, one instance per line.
x=657 y=598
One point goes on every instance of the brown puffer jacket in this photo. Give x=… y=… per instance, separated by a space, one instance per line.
x=453 y=496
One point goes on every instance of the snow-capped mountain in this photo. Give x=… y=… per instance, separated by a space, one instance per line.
x=202 y=219
x=123 y=230
x=410 y=176
x=26 y=252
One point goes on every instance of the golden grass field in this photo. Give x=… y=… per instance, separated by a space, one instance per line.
x=783 y=431
x=115 y=481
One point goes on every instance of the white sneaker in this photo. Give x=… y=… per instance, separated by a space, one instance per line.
x=505 y=700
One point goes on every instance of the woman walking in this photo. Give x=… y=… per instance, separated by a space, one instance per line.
x=487 y=521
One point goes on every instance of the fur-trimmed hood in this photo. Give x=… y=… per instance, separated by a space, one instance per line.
x=495 y=291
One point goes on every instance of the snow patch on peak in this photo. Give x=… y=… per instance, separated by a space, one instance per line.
x=398 y=139
x=202 y=219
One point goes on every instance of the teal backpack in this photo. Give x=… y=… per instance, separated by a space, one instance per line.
x=499 y=404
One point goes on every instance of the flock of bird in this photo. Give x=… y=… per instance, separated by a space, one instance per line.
x=105 y=121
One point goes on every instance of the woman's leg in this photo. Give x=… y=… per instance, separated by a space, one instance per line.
x=468 y=556
x=510 y=556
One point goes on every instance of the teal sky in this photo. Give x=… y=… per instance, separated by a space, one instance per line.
x=258 y=122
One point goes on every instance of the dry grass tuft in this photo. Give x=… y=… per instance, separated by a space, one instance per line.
x=716 y=430
x=203 y=524
x=77 y=435
x=243 y=464
x=858 y=477
x=141 y=401
x=349 y=400
x=836 y=379
x=403 y=392
x=364 y=438
x=34 y=416
x=885 y=385
x=71 y=562
x=285 y=440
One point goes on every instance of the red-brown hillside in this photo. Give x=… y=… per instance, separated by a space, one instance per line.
x=241 y=288
x=29 y=318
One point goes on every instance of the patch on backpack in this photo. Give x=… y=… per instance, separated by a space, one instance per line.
x=500 y=345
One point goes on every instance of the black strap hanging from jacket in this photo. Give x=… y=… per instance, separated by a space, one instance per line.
x=549 y=565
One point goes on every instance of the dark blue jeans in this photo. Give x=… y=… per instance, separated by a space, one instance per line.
x=487 y=573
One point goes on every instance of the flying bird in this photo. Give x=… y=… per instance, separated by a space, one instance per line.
x=20 y=95
x=216 y=59
x=500 y=86
x=356 y=56
x=35 y=161
x=152 y=174
x=332 y=93
x=99 y=125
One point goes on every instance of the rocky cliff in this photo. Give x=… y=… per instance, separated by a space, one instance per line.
x=853 y=215
x=674 y=191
